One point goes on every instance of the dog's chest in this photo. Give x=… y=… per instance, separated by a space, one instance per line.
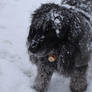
x=63 y=61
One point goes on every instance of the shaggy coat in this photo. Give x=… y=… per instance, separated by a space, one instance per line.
x=64 y=32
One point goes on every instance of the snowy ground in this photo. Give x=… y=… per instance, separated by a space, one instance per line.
x=16 y=72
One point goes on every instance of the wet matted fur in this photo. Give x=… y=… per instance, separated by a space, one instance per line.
x=65 y=32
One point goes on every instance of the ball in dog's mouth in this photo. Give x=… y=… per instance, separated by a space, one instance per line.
x=51 y=58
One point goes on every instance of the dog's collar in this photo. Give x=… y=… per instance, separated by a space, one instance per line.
x=87 y=15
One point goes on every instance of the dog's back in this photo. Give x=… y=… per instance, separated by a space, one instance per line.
x=85 y=5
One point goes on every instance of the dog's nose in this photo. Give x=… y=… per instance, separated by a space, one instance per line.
x=33 y=49
x=34 y=44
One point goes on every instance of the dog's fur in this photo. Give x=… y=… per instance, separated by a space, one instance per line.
x=64 y=32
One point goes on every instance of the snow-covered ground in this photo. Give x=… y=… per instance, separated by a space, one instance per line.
x=16 y=72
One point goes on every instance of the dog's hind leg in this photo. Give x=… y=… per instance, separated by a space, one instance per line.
x=78 y=80
x=43 y=78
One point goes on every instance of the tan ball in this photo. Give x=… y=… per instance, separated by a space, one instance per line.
x=52 y=58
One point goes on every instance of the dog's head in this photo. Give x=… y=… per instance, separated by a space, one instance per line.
x=51 y=27
x=45 y=40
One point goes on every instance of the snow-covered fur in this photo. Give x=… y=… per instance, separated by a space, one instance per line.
x=65 y=32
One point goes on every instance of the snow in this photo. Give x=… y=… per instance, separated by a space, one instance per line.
x=57 y=31
x=16 y=72
x=55 y=16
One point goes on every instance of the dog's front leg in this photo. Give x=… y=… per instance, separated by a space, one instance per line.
x=78 y=80
x=43 y=78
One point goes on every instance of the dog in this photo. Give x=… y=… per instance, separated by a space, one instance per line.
x=59 y=40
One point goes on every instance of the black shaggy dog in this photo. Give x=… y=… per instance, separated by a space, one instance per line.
x=63 y=31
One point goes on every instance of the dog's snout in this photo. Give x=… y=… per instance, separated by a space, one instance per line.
x=33 y=49
x=34 y=44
